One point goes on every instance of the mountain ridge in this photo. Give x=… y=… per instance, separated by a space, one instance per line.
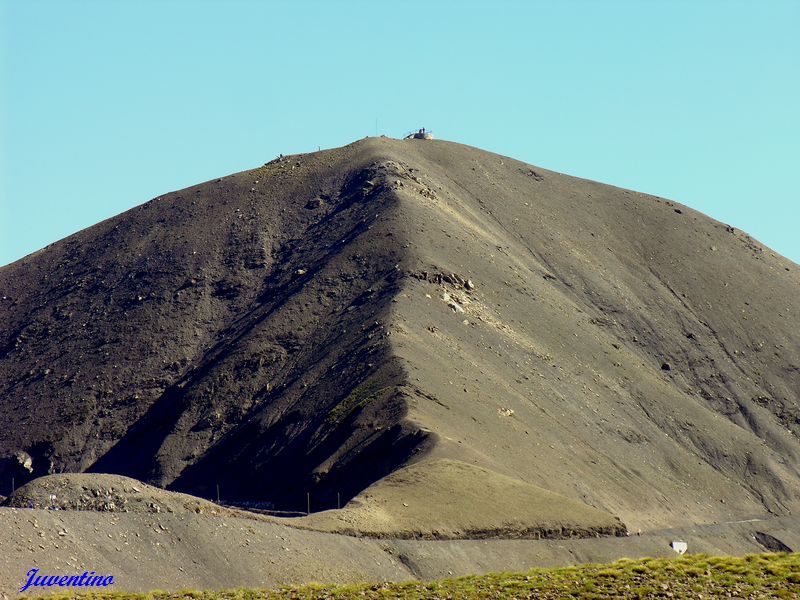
x=315 y=324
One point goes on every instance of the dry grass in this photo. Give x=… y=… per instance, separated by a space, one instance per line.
x=696 y=576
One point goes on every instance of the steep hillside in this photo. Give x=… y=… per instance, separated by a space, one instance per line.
x=247 y=310
x=613 y=347
x=312 y=325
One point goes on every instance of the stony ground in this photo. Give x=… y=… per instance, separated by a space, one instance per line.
x=172 y=551
x=105 y=493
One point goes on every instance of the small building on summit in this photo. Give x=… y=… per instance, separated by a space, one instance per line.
x=421 y=134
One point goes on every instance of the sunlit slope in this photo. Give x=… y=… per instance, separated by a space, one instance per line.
x=610 y=346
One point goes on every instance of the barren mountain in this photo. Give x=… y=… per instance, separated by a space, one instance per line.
x=303 y=330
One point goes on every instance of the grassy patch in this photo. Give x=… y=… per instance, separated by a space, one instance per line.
x=756 y=576
x=358 y=399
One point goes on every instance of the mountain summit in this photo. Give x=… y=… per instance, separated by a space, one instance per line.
x=413 y=325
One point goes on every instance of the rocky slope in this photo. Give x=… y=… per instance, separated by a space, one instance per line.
x=304 y=329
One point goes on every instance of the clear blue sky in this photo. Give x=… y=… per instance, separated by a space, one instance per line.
x=106 y=104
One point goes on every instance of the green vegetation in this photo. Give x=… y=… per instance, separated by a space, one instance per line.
x=358 y=398
x=695 y=576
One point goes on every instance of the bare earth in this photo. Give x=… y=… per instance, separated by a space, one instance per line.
x=448 y=342
x=169 y=551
